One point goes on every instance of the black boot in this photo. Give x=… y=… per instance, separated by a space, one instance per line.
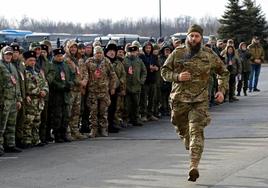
x=113 y=129
x=1 y=152
x=245 y=92
x=12 y=150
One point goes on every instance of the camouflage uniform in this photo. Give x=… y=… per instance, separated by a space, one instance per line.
x=101 y=78
x=21 y=113
x=43 y=66
x=9 y=95
x=189 y=99
x=121 y=90
x=79 y=68
x=48 y=73
x=34 y=84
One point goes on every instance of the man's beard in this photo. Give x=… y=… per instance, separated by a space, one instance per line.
x=194 y=49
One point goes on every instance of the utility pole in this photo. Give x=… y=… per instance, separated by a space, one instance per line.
x=160 y=20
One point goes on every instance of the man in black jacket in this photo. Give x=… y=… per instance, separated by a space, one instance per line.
x=148 y=92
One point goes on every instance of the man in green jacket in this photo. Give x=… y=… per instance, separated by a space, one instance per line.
x=136 y=76
x=19 y=65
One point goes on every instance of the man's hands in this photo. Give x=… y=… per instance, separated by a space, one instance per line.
x=219 y=97
x=18 y=105
x=184 y=76
x=43 y=94
x=258 y=61
x=112 y=91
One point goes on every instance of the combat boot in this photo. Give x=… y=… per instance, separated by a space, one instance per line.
x=1 y=152
x=79 y=136
x=93 y=133
x=153 y=118
x=104 y=132
x=193 y=173
x=144 y=119
x=12 y=150
x=68 y=138
x=245 y=92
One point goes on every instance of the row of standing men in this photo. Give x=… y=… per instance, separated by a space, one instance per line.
x=81 y=88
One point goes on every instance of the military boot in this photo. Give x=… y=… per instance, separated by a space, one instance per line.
x=79 y=136
x=12 y=150
x=93 y=133
x=193 y=173
x=68 y=138
x=245 y=92
x=1 y=152
x=104 y=132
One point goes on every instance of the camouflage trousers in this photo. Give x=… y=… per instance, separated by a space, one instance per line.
x=98 y=103
x=75 y=105
x=189 y=120
x=120 y=103
x=8 y=115
x=32 y=122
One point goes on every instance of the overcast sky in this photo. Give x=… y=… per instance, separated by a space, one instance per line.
x=88 y=11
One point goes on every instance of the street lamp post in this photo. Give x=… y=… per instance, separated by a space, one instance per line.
x=160 y=21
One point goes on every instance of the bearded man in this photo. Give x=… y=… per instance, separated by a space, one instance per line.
x=188 y=68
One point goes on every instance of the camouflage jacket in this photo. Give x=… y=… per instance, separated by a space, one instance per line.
x=9 y=83
x=34 y=84
x=79 y=69
x=21 y=74
x=200 y=66
x=121 y=74
x=102 y=76
x=136 y=74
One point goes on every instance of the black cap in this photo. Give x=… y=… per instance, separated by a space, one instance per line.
x=160 y=40
x=120 y=48
x=44 y=47
x=81 y=45
x=132 y=48
x=110 y=46
x=256 y=37
x=15 y=46
x=29 y=54
x=2 y=45
x=58 y=51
